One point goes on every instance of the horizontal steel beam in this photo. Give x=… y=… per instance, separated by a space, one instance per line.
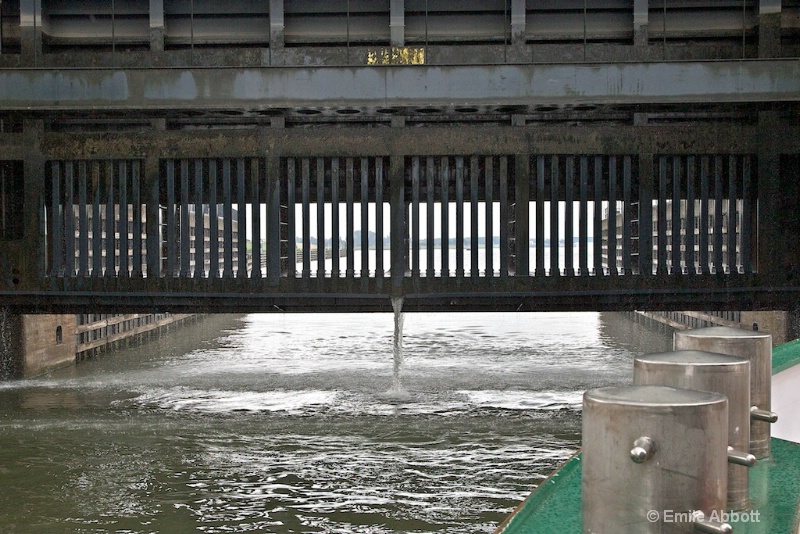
x=514 y=294
x=412 y=303
x=376 y=86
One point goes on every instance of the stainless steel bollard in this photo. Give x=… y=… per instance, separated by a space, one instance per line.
x=653 y=458
x=755 y=346
x=707 y=371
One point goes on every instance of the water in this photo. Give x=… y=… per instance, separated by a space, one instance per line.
x=281 y=423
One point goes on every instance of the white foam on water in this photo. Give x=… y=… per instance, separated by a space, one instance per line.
x=525 y=400
x=222 y=401
x=396 y=393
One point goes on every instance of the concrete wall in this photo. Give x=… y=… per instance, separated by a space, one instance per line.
x=40 y=347
x=793 y=320
x=130 y=332
x=31 y=344
x=775 y=323
x=10 y=345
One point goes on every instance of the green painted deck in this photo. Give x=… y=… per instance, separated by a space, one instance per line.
x=555 y=506
x=785 y=356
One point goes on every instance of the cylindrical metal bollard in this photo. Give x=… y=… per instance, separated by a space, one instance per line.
x=707 y=371
x=755 y=346
x=652 y=457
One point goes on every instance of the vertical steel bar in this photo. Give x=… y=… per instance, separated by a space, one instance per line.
x=58 y=221
x=555 y=267
x=83 y=221
x=227 y=219
x=213 y=221
x=569 y=222
x=273 y=214
x=97 y=221
x=627 y=261
x=430 y=174
x=124 y=249
x=770 y=189
x=745 y=232
x=184 y=221
x=136 y=201
x=733 y=176
x=291 y=226
x=5 y=222
x=540 y=171
x=488 y=177
x=504 y=217
x=241 y=217
x=522 y=179
x=662 y=215
x=306 y=195
x=415 y=246
x=718 y=238
x=379 y=176
x=111 y=248
x=705 y=176
x=583 y=218
x=459 y=216
x=170 y=228
x=364 y=218
x=676 y=215
x=598 y=216
x=445 y=241
x=320 y=218
x=69 y=219
x=397 y=175
x=7 y=190
x=256 y=177
x=199 y=222
x=690 y=216
x=151 y=189
x=335 y=237
x=350 y=214
x=646 y=191
x=473 y=177
x=612 y=216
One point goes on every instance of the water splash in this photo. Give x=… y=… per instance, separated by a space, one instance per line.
x=397 y=350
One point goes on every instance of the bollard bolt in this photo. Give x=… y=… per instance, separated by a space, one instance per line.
x=643 y=449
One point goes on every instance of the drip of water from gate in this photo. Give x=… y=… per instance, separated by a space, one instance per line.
x=397 y=390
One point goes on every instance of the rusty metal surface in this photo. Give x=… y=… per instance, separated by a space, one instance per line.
x=679 y=138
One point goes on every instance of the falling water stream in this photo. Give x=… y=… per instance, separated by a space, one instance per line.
x=397 y=347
